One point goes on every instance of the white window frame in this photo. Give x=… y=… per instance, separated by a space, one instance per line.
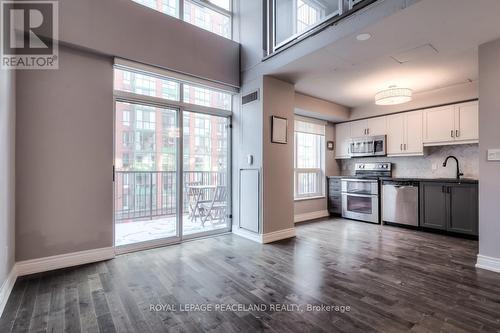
x=320 y=172
x=202 y=3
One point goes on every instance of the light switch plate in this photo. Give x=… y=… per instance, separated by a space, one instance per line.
x=493 y=154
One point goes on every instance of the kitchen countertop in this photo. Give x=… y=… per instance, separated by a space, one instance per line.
x=416 y=179
x=438 y=180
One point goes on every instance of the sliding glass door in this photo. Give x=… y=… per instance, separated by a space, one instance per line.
x=172 y=143
x=146 y=174
x=155 y=202
x=205 y=174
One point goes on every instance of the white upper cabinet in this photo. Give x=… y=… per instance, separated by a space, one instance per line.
x=414 y=144
x=439 y=124
x=358 y=128
x=342 y=140
x=377 y=126
x=395 y=134
x=408 y=132
x=467 y=121
x=452 y=124
x=404 y=134
x=369 y=127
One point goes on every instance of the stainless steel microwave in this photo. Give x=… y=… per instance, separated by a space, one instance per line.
x=368 y=146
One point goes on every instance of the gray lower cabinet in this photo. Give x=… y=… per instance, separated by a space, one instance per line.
x=334 y=195
x=464 y=210
x=450 y=207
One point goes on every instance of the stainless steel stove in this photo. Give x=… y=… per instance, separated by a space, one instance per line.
x=360 y=193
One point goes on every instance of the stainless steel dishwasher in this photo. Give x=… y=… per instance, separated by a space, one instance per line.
x=400 y=202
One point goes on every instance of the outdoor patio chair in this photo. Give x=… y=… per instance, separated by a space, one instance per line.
x=215 y=211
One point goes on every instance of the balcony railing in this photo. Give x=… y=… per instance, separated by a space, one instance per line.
x=150 y=194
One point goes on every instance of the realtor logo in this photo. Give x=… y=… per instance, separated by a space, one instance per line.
x=29 y=35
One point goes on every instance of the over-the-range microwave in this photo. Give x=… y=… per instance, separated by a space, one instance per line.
x=368 y=146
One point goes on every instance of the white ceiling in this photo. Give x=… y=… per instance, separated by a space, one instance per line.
x=350 y=72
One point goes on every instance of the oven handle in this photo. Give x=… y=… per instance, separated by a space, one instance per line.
x=360 y=195
x=360 y=180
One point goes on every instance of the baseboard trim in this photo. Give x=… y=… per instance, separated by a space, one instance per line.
x=488 y=263
x=247 y=234
x=265 y=238
x=6 y=288
x=63 y=261
x=277 y=235
x=310 y=216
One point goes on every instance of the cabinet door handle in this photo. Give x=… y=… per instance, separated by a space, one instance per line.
x=452 y=133
x=457 y=133
x=401 y=148
x=367 y=131
x=405 y=146
x=443 y=189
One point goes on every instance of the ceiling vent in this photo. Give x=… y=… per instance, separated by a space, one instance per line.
x=249 y=98
x=416 y=53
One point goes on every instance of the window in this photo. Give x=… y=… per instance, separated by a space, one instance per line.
x=211 y=15
x=126 y=118
x=162 y=87
x=207 y=18
x=206 y=97
x=147 y=85
x=309 y=172
x=294 y=17
x=308 y=14
x=169 y=7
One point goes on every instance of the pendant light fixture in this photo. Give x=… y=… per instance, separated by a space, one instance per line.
x=393 y=96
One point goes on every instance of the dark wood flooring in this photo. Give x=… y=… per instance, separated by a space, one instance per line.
x=393 y=280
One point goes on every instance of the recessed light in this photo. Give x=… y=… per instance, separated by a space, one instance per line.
x=363 y=37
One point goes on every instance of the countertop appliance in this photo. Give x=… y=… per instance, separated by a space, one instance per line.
x=360 y=193
x=400 y=202
x=368 y=146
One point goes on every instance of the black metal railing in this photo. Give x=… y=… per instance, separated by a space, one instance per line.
x=150 y=194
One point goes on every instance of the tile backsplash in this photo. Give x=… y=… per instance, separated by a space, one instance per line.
x=428 y=166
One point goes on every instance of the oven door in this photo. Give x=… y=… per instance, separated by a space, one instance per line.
x=360 y=186
x=360 y=207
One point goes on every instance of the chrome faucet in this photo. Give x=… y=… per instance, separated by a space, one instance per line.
x=458 y=167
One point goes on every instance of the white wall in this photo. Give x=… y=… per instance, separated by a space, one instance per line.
x=247 y=139
x=7 y=173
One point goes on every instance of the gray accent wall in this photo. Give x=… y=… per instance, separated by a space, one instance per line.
x=489 y=138
x=277 y=188
x=428 y=166
x=7 y=173
x=64 y=156
x=134 y=32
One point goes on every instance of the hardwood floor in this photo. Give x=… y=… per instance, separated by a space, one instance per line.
x=393 y=280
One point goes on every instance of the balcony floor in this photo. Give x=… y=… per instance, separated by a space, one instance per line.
x=137 y=231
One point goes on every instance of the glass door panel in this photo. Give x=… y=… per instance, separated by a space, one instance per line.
x=205 y=176
x=146 y=173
